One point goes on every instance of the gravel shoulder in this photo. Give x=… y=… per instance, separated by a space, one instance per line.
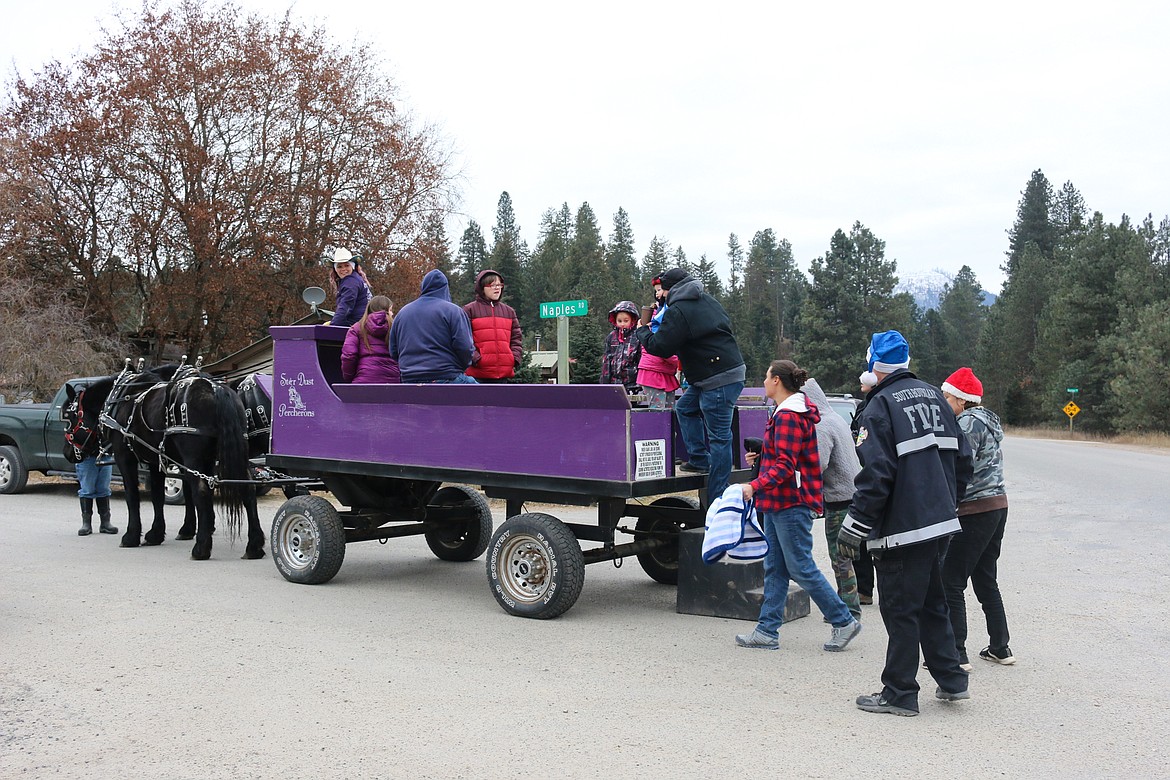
x=144 y=664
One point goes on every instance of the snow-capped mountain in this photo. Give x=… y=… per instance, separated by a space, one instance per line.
x=926 y=287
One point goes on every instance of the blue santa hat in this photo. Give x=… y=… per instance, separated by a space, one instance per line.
x=888 y=351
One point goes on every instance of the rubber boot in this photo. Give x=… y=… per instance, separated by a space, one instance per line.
x=86 y=517
x=103 y=506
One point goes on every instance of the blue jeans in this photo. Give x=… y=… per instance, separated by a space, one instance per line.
x=460 y=379
x=93 y=480
x=789 y=535
x=704 y=420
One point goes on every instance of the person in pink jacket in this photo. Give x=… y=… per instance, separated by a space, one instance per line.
x=658 y=376
x=365 y=355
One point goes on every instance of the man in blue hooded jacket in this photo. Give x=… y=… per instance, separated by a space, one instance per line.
x=431 y=336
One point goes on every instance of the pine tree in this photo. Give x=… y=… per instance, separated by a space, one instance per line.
x=586 y=272
x=620 y=259
x=929 y=348
x=1007 y=360
x=733 y=300
x=1033 y=222
x=434 y=247
x=961 y=317
x=469 y=260
x=508 y=257
x=543 y=267
x=773 y=290
x=657 y=260
x=706 y=273
x=850 y=298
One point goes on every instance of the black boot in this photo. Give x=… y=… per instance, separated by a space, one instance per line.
x=103 y=505
x=86 y=517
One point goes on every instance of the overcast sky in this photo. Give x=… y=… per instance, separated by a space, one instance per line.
x=923 y=121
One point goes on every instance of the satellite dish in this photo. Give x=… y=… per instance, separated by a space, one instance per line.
x=314 y=296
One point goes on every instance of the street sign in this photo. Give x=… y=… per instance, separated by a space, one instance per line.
x=551 y=309
x=1071 y=410
x=1074 y=390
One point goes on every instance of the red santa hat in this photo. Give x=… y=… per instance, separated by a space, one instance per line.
x=964 y=384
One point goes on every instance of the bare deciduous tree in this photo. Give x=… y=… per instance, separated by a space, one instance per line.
x=44 y=341
x=186 y=177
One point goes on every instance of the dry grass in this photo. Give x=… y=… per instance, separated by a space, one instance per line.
x=1155 y=440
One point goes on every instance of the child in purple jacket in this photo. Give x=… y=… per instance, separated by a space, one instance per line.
x=365 y=355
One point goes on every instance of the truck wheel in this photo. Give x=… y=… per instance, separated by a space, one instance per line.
x=661 y=563
x=172 y=488
x=465 y=539
x=13 y=474
x=535 y=567
x=308 y=540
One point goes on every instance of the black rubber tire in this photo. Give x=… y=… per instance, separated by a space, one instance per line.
x=13 y=472
x=307 y=540
x=535 y=567
x=461 y=540
x=662 y=563
x=262 y=488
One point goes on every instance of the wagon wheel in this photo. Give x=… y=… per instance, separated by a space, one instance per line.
x=535 y=567
x=464 y=539
x=661 y=563
x=308 y=540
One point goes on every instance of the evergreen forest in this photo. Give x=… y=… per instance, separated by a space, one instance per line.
x=1085 y=304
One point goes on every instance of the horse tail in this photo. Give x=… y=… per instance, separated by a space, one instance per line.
x=233 y=457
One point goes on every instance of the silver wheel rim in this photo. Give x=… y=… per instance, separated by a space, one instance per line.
x=526 y=574
x=5 y=471
x=172 y=487
x=298 y=541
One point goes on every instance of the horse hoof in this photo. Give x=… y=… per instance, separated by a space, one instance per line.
x=129 y=543
x=148 y=542
x=182 y=537
x=200 y=555
x=252 y=555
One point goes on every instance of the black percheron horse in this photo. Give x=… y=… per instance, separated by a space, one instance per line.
x=183 y=418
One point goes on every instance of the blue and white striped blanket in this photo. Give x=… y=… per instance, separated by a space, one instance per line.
x=733 y=531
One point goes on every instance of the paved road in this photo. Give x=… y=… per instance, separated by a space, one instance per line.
x=144 y=664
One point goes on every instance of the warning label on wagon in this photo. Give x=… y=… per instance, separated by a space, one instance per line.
x=650 y=455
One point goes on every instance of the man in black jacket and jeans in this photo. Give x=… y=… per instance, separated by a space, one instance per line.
x=698 y=330
x=916 y=464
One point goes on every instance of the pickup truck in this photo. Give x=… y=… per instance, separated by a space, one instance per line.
x=32 y=438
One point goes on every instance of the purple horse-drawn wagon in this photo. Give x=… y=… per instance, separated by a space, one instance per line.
x=402 y=460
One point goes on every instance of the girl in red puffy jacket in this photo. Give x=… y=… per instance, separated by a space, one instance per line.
x=495 y=331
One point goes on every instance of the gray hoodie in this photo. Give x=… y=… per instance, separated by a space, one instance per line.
x=839 y=463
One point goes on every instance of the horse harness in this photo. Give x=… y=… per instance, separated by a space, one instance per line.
x=174 y=411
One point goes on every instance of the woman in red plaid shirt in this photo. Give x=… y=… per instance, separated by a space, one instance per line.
x=787 y=494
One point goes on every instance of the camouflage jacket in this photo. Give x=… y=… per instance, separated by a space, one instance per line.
x=985 y=434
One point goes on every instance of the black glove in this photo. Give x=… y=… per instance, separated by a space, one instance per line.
x=849 y=544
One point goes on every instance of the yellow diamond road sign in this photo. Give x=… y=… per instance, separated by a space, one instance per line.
x=1071 y=409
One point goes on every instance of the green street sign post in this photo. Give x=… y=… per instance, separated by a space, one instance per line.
x=1074 y=389
x=562 y=310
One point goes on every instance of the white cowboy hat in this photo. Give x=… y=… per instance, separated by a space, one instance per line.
x=341 y=255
